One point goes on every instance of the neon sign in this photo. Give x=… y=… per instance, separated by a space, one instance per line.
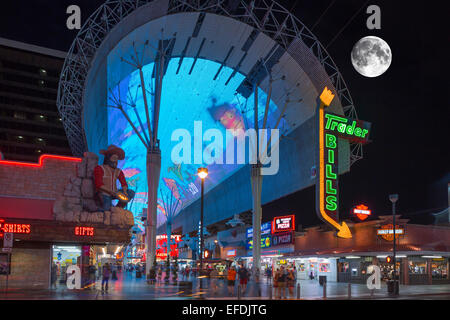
x=266 y=242
x=19 y=228
x=362 y=212
x=265 y=229
x=161 y=246
x=327 y=192
x=41 y=161
x=284 y=223
x=387 y=232
x=282 y=238
x=84 y=231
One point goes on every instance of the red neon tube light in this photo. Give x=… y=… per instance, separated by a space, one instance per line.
x=41 y=161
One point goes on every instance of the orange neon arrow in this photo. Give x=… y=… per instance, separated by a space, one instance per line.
x=343 y=231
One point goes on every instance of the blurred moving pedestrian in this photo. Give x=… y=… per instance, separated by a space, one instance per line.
x=291 y=279
x=53 y=275
x=231 y=278
x=282 y=277
x=243 y=277
x=213 y=276
x=106 y=273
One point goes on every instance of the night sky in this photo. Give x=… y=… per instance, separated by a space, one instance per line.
x=408 y=106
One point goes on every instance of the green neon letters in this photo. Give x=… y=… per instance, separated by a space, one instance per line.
x=341 y=125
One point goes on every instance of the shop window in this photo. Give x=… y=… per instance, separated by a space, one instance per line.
x=417 y=266
x=439 y=269
x=343 y=267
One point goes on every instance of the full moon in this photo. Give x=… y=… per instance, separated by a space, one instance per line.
x=371 y=56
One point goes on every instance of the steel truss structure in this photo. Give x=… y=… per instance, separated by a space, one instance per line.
x=266 y=16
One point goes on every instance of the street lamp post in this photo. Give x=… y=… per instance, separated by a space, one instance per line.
x=393 y=198
x=202 y=173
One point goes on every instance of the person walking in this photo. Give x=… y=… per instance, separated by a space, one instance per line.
x=243 y=278
x=53 y=276
x=231 y=278
x=106 y=273
x=291 y=279
x=268 y=274
x=213 y=275
x=282 y=283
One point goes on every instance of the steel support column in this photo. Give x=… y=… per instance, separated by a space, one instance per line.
x=153 y=173
x=256 y=180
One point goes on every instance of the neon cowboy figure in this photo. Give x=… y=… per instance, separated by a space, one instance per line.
x=105 y=178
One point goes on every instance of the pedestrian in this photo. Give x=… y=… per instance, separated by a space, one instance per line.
x=54 y=275
x=276 y=276
x=268 y=274
x=106 y=272
x=159 y=274
x=282 y=283
x=231 y=278
x=291 y=282
x=243 y=278
x=213 y=276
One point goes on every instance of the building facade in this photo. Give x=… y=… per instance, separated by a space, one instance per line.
x=30 y=124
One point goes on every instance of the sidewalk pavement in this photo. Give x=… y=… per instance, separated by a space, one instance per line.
x=128 y=287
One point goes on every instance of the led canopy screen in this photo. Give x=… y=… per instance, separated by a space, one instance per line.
x=187 y=101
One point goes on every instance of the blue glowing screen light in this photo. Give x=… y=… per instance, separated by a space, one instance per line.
x=185 y=98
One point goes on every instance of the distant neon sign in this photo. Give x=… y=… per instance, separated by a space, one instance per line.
x=284 y=223
x=387 y=232
x=265 y=229
x=266 y=242
x=362 y=212
x=84 y=231
x=41 y=161
x=161 y=246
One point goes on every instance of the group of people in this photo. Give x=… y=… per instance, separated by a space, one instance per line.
x=282 y=279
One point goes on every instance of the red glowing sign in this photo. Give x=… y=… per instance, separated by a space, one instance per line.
x=41 y=161
x=84 y=231
x=362 y=212
x=284 y=223
x=14 y=227
x=161 y=246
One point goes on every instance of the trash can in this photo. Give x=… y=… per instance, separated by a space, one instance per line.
x=138 y=274
x=322 y=280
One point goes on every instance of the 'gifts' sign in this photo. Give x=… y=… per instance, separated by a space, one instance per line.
x=284 y=223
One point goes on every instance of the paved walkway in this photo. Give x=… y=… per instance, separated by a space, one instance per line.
x=128 y=287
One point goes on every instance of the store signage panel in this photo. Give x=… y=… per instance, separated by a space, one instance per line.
x=161 y=246
x=282 y=238
x=266 y=242
x=18 y=228
x=284 y=223
x=265 y=229
x=362 y=212
x=231 y=253
x=331 y=127
x=84 y=231
x=387 y=232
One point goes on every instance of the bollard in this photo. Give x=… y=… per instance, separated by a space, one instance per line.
x=324 y=290
x=239 y=292
x=298 y=291
x=270 y=291
x=349 y=290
